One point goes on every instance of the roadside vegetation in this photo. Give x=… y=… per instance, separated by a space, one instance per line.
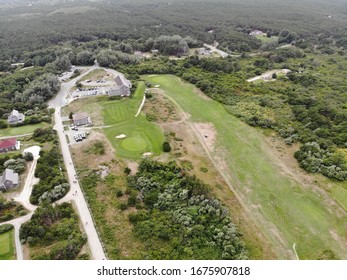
x=53 y=233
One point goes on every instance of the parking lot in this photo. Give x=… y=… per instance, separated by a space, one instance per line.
x=85 y=92
x=76 y=134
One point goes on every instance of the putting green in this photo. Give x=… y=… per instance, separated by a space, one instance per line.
x=134 y=144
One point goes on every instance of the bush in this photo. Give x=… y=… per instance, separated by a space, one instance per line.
x=5 y=228
x=28 y=156
x=119 y=193
x=123 y=206
x=127 y=170
x=166 y=147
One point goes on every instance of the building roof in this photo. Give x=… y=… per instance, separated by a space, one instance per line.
x=79 y=116
x=10 y=175
x=8 y=143
x=14 y=113
x=121 y=81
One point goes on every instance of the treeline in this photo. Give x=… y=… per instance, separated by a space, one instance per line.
x=55 y=231
x=180 y=219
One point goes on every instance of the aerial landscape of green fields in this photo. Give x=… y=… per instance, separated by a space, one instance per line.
x=181 y=130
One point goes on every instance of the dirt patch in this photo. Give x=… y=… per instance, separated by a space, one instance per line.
x=208 y=134
x=86 y=159
x=160 y=109
x=134 y=166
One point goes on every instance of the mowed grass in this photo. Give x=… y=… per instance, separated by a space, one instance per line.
x=12 y=131
x=142 y=135
x=292 y=213
x=7 y=251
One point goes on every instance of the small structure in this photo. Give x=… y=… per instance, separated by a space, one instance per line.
x=15 y=117
x=155 y=51
x=204 y=51
x=10 y=144
x=81 y=119
x=138 y=54
x=285 y=71
x=257 y=33
x=122 y=87
x=9 y=180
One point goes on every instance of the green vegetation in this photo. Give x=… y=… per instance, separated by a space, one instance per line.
x=141 y=135
x=180 y=219
x=12 y=131
x=299 y=214
x=54 y=232
x=52 y=185
x=98 y=148
x=7 y=250
x=10 y=210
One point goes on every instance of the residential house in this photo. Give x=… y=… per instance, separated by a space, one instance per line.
x=15 y=117
x=81 y=119
x=122 y=87
x=9 y=180
x=9 y=144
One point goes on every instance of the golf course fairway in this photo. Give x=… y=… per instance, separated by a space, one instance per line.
x=285 y=211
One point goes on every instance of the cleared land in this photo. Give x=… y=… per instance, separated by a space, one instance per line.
x=7 y=251
x=286 y=211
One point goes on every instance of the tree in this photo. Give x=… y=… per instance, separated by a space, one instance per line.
x=63 y=63
x=166 y=147
x=28 y=156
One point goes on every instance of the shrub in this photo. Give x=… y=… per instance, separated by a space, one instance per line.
x=5 y=228
x=127 y=170
x=122 y=207
x=166 y=147
x=119 y=193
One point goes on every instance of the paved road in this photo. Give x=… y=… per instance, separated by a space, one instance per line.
x=214 y=49
x=75 y=194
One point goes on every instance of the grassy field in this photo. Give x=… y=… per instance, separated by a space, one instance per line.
x=266 y=39
x=12 y=131
x=292 y=213
x=7 y=251
x=142 y=135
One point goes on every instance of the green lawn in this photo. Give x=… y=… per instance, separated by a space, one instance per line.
x=12 y=131
x=142 y=135
x=300 y=215
x=266 y=39
x=7 y=251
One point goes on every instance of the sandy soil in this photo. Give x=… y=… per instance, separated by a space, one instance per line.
x=208 y=134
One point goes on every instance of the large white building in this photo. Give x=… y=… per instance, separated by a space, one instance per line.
x=15 y=117
x=122 y=87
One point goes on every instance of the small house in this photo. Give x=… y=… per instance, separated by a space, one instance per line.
x=81 y=119
x=122 y=87
x=9 y=180
x=15 y=117
x=9 y=144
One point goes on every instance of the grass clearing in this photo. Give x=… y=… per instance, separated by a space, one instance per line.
x=7 y=251
x=292 y=213
x=12 y=131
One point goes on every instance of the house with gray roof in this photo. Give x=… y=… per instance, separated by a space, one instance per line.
x=15 y=117
x=9 y=180
x=81 y=119
x=122 y=87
